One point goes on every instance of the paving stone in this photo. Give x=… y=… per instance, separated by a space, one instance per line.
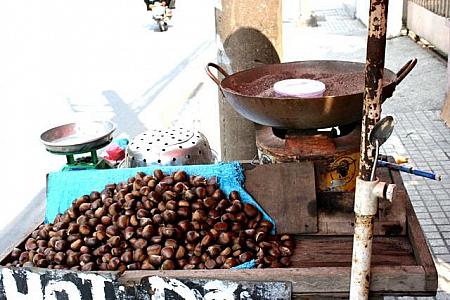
x=440 y=221
x=423 y=188
x=423 y=215
x=440 y=191
x=417 y=197
x=421 y=165
x=442 y=295
x=432 y=202
x=436 y=242
x=425 y=222
x=429 y=228
x=443 y=257
x=432 y=209
x=444 y=228
x=438 y=215
x=435 y=235
x=445 y=202
x=418 y=204
x=440 y=250
x=420 y=207
x=411 y=191
x=443 y=197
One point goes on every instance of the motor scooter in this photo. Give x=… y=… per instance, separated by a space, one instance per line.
x=161 y=14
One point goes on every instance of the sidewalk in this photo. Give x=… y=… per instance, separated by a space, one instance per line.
x=419 y=132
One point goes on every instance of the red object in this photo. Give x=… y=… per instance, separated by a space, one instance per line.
x=115 y=152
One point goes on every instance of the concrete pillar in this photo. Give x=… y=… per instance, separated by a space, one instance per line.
x=248 y=34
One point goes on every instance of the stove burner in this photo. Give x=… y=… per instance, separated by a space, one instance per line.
x=332 y=132
x=334 y=152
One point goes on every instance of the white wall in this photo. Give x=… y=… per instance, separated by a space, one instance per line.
x=429 y=26
x=290 y=10
x=395 y=14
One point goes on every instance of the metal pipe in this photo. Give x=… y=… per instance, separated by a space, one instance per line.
x=409 y=170
x=375 y=55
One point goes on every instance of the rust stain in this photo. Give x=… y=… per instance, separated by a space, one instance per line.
x=367 y=283
x=377 y=19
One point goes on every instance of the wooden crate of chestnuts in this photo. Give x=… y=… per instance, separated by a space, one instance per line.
x=178 y=233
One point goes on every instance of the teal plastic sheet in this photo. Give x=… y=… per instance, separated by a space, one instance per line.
x=64 y=187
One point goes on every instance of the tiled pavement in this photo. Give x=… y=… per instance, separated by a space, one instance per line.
x=336 y=21
x=423 y=137
x=419 y=133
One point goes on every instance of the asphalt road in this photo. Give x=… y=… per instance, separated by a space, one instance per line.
x=64 y=61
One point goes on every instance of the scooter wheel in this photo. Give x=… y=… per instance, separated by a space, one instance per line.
x=163 y=26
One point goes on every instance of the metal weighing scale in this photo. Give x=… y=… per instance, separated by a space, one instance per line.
x=78 y=139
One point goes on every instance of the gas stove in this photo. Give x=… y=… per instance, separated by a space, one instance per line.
x=334 y=152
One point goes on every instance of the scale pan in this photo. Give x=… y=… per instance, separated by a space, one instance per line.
x=75 y=138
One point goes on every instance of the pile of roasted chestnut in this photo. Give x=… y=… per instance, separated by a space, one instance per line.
x=152 y=222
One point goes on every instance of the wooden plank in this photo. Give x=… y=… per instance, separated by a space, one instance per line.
x=416 y=236
x=336 y=217
x=287 y=193
x=335 y=296
x=340 y=223
x=214 y=289
x=419 y=243
x=337 y=252
x=405 y=280
x=321 y=264
x=391 y=215
x=335 y=202
x=38 y=283
x=316 y=263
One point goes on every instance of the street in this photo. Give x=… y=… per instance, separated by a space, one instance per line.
x=65 y=61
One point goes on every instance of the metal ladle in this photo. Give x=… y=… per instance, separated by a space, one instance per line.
x=378 y=136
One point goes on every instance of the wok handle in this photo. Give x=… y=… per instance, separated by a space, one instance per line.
x=211 y=75
x=404 y=71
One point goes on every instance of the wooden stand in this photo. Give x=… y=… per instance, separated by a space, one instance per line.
x=401 y=264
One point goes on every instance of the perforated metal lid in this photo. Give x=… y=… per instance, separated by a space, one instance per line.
x=168 y=147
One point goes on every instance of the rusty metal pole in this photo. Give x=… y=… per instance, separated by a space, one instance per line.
x=365 y=205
